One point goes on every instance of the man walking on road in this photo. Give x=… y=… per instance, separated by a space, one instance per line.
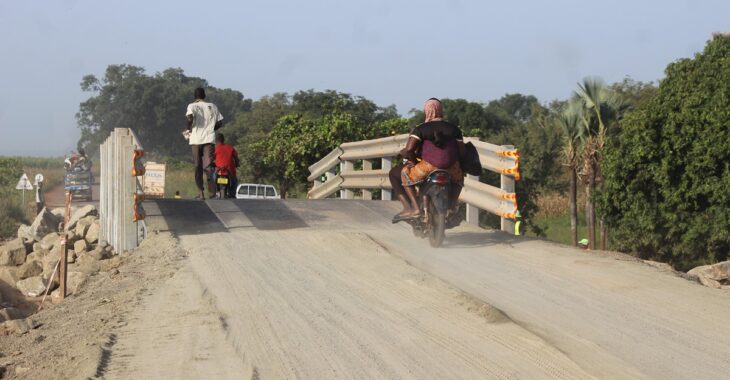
x=203 y=120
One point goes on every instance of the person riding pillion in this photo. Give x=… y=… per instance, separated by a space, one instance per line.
x=226 y=157
x=203 y=120
x=442 y=146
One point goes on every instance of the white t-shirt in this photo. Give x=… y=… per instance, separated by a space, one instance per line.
x=205 y=116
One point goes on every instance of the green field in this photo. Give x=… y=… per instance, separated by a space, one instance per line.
x=557 y=228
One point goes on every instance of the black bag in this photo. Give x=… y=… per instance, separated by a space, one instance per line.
x=470 y=164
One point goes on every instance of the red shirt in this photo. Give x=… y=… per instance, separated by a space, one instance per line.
x=224 y=157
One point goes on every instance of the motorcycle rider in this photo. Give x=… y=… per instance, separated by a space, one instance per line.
x=226 y=158
x=442 y=146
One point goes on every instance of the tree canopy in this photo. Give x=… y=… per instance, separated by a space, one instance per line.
x=151 y=105
x=666 y=193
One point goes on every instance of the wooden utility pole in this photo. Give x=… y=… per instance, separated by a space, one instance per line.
x=64 y=247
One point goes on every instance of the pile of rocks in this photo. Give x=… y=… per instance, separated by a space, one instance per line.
x=29 y=261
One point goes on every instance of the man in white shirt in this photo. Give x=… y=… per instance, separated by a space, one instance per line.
x=203 y=120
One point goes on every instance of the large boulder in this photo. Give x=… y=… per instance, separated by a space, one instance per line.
x=59 y=212
x=50 y=241
x=31 y=286
x=9 y=275
x=99 y=253
x=43 y=224
x=92 y=235
x=81 y=246
x=714 y=276
x=13 y=252
x=30 y=269
x=82 y=226
x=24 y=232
x=88 y=210
x=49 y=264
x=87 y=264
x=74 y=282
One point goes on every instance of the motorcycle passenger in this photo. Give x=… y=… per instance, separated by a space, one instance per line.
x=226 y=158
x=442 y=146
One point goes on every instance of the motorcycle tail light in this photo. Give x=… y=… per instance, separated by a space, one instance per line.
x=440 y=178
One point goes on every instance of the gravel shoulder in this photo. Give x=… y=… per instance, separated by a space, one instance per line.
x=74 y=338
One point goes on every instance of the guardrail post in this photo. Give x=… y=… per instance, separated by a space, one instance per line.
x=386 y=164
x=346 y=166
x=367 y=194
x=472 y=212
x=507 y=183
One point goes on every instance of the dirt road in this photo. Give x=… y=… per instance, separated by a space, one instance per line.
x=297 y=303
x=55 y=197
x=321 y=290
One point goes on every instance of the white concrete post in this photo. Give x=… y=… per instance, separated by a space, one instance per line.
x=387 y=164
x=472 y=212
x=346 y=166
x=367 y=165
x=507 y=183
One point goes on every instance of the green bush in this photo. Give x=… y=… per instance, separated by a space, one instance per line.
x=11 y=216
x=11 y=210
x=666 y=191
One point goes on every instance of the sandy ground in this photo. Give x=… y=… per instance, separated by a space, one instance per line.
x=311 y=290
x=76 y=337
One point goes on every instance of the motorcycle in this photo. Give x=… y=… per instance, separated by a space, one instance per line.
x=434 y=202
x=222 y=181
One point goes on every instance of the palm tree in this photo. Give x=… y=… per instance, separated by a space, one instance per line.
x=603 y=109
x=570 y=121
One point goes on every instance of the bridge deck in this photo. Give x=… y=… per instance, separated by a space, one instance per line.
x=612 y=316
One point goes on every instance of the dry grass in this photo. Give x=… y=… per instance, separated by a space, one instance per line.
x=555 y=205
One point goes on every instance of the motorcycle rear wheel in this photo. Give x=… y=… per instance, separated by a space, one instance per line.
x=437 y=226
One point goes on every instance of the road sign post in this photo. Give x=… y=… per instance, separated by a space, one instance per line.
x=24 y=184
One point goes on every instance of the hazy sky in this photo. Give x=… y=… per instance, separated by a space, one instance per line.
x=391 y=51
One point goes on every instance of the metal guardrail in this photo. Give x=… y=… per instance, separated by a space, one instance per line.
x=120 y=191
x=335 y=173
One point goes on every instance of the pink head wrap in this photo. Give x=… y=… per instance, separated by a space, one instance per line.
x=433 y=110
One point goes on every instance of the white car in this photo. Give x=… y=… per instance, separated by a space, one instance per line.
x=256 y=191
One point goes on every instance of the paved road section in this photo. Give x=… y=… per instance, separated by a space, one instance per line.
x=331 y=289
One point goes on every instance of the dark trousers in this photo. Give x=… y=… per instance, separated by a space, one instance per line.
x=203 y=158
x=396 y=180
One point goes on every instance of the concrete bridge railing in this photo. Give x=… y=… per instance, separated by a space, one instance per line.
x=121 y=192
x=336 y=173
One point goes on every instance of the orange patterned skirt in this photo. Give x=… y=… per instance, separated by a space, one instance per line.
x=419 y=172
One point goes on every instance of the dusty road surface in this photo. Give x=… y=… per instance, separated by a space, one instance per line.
x=55 y=197
x=330 y=289
x=281 y=300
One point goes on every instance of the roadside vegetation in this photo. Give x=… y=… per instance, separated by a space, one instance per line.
x=633 y=166
x=13 y=211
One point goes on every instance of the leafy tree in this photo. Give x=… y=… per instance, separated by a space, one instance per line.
x=666 y=194
x=253 y=126
x=513 y=108
x=297 y=141
x=539 y=142
x=152 y=106
x=315 y=104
